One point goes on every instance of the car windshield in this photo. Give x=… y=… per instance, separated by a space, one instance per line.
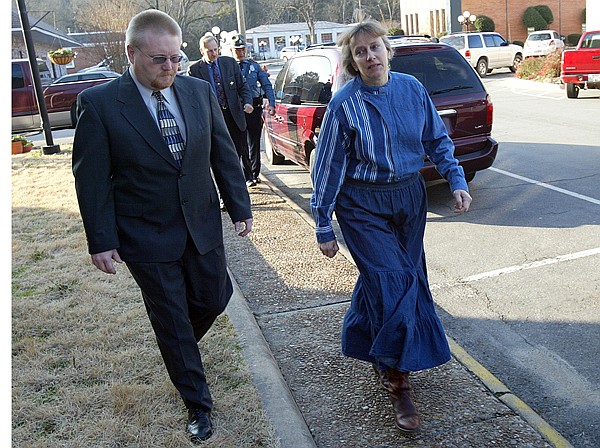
x=457 y=42
x=439 y=70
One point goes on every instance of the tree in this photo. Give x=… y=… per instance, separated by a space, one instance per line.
x=107 y=21
x=546 y=13
x=533 y=19
x=484 y=23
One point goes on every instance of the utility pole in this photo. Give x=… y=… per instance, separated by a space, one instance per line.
x=50 y=147
x=241 y=17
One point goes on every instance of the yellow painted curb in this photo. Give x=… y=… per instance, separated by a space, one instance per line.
x=503 y=393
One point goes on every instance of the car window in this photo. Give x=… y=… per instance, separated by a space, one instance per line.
x=18 y=79
x=542 y=36
x=439 y=70
x=498 y=40
x=308 y=80
x=475 y=41
x=457 y=42
x=489 y=40
x=90 y=76
x=68 y=78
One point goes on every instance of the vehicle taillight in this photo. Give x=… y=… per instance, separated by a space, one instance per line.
x=467 y=53
x=490 y=111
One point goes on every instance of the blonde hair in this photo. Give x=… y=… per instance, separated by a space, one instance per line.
x=370 y=27
x=151 y=20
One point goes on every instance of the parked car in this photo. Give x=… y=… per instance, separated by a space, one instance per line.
x=287 y=52
x=307 y=82
x=184 y=64
x=60 y=98
x=486 y=51
x=86 y=76
x=580 y=68
x=542 y=43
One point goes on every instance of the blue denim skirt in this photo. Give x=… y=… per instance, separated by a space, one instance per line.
x=392 y=320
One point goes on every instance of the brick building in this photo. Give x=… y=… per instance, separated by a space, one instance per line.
x=438 y=17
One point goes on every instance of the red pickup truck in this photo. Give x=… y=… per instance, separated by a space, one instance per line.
x=60 y=96
x=580 y=68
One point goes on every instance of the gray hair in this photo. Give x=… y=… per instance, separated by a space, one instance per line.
x=207 y=38
x=151 y=20
x=370 y=27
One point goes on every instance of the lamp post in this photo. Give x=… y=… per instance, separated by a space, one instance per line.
x=216 y=32
x=467 y=18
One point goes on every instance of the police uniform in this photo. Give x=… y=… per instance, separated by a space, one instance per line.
x=260 y=86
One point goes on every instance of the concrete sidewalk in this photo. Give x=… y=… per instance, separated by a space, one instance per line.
x=287 y=308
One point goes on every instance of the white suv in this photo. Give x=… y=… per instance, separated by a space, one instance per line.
x=542 y=43
x=486 y=51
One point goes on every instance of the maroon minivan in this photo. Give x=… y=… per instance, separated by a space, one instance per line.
x=308 y=80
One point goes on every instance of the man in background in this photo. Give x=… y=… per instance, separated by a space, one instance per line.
x=260 y=86
x=232 y=92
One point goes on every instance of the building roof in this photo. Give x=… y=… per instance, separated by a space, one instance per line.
x=293 y=27
x=43 y=32
x=88 y=39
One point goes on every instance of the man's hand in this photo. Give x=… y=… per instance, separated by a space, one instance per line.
x=248 y=108
x=104 y=261
x=244 y=227
x=463 y=201
x=330 y=248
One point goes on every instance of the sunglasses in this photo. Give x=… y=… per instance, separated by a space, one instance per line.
x=162 y=59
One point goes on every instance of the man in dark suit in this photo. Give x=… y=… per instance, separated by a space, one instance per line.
x=144 y=148
x=224 y=74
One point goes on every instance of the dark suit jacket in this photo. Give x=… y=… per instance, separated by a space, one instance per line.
x=236 y=89
x=132 y=195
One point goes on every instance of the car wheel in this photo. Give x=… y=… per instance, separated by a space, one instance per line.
x=272 y=156
x=572 y=90
x=516 y=62
x=482 y=67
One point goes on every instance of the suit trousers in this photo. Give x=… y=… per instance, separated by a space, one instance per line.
x=240 y=142
x=183 y=298
x=254 y=122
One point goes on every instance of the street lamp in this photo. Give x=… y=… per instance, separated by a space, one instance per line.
x=467 y=18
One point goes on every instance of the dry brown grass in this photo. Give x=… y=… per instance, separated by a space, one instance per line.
x=86 y=371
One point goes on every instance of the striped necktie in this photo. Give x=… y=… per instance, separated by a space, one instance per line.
x=219 y=86
x=168 y=128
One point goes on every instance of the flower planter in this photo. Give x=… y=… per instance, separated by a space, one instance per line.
x=17 y=147
x=61 y=59
x=27 y=148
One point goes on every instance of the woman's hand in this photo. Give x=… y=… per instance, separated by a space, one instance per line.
x=329 y=249
x=463 y=201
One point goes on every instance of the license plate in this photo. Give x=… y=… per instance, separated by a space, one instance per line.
x=594 y=78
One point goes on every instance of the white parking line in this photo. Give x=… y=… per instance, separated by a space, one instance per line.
x=535 y=264
x=545 y=185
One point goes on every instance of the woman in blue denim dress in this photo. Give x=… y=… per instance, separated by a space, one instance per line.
x=375 y=135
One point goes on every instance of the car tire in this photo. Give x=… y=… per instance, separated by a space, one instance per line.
x=516 y=62
x=272 y=156
x=482 y=68
x=572 y=90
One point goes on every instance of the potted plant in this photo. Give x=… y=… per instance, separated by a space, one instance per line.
x=62 y=56
x=20 y=144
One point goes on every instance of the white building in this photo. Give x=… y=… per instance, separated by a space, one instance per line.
x=267 y=40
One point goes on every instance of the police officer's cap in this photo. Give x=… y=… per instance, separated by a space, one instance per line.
x=238 y=41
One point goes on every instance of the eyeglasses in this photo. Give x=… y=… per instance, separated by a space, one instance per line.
x=162 y=59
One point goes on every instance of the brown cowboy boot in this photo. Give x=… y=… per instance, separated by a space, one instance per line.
x=398 y=386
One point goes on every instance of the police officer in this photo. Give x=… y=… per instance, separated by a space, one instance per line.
x=259 y=84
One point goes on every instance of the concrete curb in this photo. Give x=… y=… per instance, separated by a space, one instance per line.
x=279 y=404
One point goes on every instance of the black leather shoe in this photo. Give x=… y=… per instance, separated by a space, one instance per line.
x=199 y=425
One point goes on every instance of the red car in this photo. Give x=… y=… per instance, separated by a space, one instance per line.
x=306 y=83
